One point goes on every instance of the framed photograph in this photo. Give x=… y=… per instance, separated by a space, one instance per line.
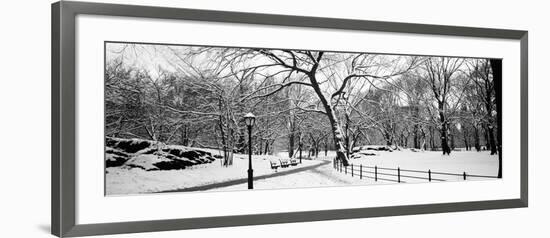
x=167 y=119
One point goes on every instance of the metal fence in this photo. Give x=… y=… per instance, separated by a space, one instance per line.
x=397 y=174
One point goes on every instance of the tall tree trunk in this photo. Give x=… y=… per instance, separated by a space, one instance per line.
x=388 y=138
x=317 y=149
x=423 y=144
x=347 y=135
x=443 y=132
x=291 y=139
x=338 y=139
x=333 y=120
x=347 y=146
x=477 y=143
x=266 y=147
x=224 y=144
x=492 y=142
x=231 y=144
x=416 y=129
x=226 y=134
x=496 y=67
x=354 y=140
x=465 y=135
x=489 y=128
x=416 y=141
x=241 y=142
x=326 y=147
x=452 y=139
x=405 y=139
x=185 y=136
x=486 y=137
x=432 y=139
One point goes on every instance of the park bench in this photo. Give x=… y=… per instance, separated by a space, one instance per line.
x=284 y=163
x=293 y=162
x=274 y=165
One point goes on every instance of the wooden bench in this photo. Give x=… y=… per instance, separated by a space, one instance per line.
x=293 y=162
x=284 y=163
x=274 y=165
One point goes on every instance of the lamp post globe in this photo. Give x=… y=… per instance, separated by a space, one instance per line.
x=249 y=120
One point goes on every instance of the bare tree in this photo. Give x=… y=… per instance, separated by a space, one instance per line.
x=305 y=98
x=482 y=77
x=314 y=65
x=439 y=75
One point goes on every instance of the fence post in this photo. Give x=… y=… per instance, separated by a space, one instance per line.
x=429 y=175
x=464 y=174
x=361 y=171
x=398 y=175
x=351 y=170
x=375 y=173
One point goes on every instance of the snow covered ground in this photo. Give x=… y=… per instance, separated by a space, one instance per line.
x=323 y=176
x=470 y=162
x=121 y=180
x=478 y=163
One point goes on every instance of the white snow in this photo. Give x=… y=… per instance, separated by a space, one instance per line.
x=145 y=161
x=471 y=162
x=479 y=163
x=323 y=176
x=123 y=180
x=132 y=181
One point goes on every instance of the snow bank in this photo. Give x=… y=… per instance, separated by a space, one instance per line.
x=151 y=155
x=114 y=157
x=372 y=147
x=128 y=145
x=146 y=162
x=369 y=150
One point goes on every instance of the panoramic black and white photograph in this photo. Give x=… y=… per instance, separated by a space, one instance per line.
x=188 y=118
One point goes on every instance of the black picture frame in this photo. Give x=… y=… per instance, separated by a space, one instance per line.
x=64 y=133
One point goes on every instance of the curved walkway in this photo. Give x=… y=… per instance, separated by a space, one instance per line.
x=245 y=180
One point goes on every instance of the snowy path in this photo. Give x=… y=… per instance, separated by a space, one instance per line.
x=244 y=181
x=319 y=176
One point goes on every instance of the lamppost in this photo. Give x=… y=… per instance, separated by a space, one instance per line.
x=249 y=120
